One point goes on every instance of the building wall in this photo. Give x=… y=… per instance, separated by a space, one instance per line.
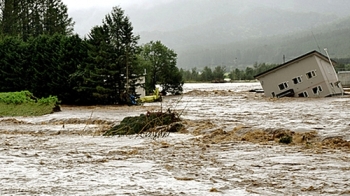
x=294 y=76
x=330 y=76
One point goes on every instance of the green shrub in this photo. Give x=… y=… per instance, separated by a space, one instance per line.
x=17 y=97
x=24 y=103
x=49 y=100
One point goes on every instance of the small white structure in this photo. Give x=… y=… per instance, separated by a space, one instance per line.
x=310 y=75
x=139 y=89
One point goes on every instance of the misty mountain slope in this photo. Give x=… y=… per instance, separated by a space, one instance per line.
x=89 y=17
x=254 y=23
x=334 y=37
x=235 y=32
x=243 y=33
x=179 y=14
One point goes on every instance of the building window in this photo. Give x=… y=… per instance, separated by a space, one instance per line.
x=273 y=94
x=283 y=86
x=311 y=74
x=297 y=80
x=317 y=89
x=303 y=94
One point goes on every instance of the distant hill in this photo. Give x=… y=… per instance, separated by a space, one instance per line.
x=179 y=14
x=236 y=33
x=334 y=37
x=239 y=33
x=248 y=24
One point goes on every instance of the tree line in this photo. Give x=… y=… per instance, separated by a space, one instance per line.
x=220 y=73
x=343 y=64
x=39 y=53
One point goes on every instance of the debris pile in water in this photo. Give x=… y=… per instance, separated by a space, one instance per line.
x=155 y=124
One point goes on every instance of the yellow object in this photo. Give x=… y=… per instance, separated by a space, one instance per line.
x=151 y=98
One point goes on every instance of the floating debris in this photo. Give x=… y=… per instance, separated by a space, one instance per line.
x=151 y=124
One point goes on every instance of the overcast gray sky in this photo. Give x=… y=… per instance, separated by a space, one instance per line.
x=89 y=13
x=83 y=4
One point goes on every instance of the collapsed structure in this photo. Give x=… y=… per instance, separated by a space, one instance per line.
x=309 y=75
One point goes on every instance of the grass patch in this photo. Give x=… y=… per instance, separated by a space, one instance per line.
x=25 y=103
x=25 y=109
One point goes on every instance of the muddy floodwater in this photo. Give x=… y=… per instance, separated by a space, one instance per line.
x=231 y=145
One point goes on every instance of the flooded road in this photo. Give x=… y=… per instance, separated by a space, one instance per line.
x=229 y=147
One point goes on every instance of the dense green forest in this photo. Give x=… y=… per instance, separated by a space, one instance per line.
x=39 y=53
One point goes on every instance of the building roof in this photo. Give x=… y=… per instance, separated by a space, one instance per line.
x=295 y=60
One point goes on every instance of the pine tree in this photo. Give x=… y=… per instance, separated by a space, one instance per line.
x=13 y=65
x=53 y=61
x=125 y=48
x=97 y=76
x=10 y=22
x=56 y=19
x=111 y=69
x=30 y=18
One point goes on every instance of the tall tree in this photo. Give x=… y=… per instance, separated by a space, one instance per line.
x=112 y=59
x=14 y=55
x=55 y=18
x=207 y=74
x=219 y=73
x=236 y=74
x=125 y=47
x=97 y=82
x=194 y=74
x=162 y=67
x=30 y=18
x=43 y=65
x=10 y=22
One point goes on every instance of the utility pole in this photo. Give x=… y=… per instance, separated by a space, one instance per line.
x=330 y=61
x=127 y=68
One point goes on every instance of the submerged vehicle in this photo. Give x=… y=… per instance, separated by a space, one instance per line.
x=151 y=98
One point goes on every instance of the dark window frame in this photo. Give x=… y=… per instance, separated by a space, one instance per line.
x=311 y=74
x=317 y=89
x=283 y=85
x=303 y=94
x=297 y=80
